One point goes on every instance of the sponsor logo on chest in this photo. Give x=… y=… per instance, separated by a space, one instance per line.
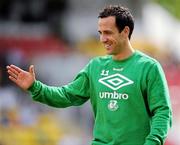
x=114 y=82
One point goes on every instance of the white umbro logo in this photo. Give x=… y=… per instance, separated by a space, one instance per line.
x=115 y=81
x=118 y=69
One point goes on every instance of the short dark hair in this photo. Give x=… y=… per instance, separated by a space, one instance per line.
x=123 y=17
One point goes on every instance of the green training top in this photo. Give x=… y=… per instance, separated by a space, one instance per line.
x=130 y=99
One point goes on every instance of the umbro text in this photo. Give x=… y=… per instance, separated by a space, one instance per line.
x=113 y=95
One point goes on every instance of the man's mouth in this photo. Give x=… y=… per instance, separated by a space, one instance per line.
x=107 y=46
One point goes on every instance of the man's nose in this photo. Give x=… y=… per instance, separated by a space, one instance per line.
x=103 y=38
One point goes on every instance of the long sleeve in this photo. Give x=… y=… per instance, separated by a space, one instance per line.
x=159 y=105
x=73 y=94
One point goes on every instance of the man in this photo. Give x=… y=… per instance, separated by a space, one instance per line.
x=127 y=89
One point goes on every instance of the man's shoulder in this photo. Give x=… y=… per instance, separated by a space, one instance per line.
x=145 y=58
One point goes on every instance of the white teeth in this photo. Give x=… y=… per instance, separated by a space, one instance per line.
x=107 y=45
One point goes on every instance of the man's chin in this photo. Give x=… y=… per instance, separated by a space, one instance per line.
x=109 y=53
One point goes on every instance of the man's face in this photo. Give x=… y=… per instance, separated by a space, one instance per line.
x=110 y=36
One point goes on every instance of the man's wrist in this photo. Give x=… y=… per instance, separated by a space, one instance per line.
x=33 y=85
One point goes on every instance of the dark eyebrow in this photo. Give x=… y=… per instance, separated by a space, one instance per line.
x=99 y=32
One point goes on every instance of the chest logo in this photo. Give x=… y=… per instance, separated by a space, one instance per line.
x=113 y=105
x=115 y=81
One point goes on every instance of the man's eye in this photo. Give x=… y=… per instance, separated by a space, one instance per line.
x=108 y=32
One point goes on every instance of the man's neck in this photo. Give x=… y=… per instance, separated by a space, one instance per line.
x=125 y=53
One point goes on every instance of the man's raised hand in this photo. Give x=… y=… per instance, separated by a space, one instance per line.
x=24 y=79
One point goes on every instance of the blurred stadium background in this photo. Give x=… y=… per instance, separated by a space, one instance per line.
x=59 y=37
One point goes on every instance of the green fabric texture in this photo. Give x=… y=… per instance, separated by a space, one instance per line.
x=129 y=98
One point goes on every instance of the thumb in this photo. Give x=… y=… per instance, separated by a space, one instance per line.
x=31 y=69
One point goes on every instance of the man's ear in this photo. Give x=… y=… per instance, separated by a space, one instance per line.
x=126 y=31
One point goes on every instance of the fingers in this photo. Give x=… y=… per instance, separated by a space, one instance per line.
x=12 y=72
x=13 y=79
x=15 y=68
x=31 y=69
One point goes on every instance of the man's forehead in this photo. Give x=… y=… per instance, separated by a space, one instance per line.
x=107 y=21
x=109 y=18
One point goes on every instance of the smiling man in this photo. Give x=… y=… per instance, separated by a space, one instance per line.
x=115 y=39
x=127 y=89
